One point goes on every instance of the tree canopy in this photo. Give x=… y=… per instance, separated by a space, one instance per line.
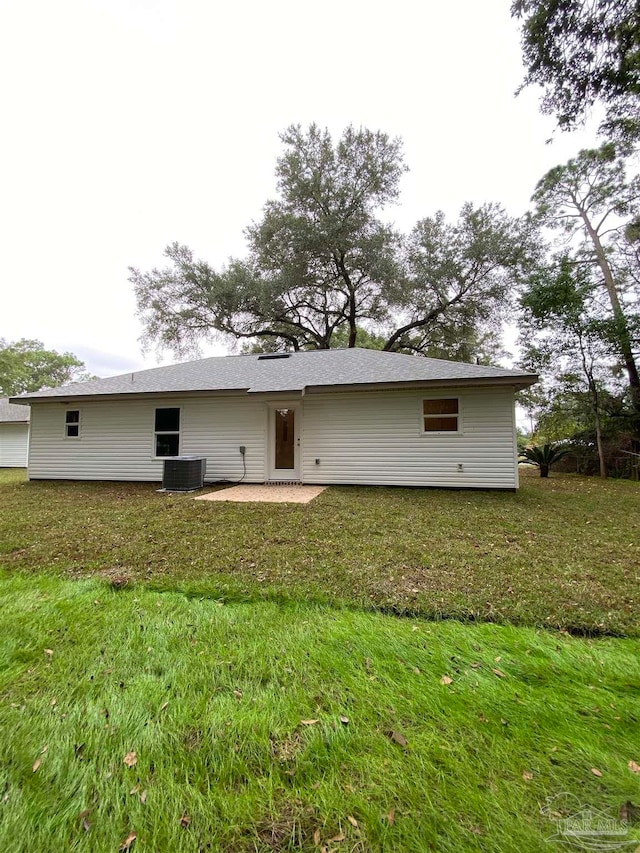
x=580 y=310
x=324 y=268
x=590 y=199
x=564 y=339
x=26 y=365
x=582 y=52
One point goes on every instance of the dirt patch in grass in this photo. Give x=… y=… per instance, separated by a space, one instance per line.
x=291 y=829
x=286 y=749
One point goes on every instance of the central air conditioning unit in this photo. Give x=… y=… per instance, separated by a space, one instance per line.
x=183 y=473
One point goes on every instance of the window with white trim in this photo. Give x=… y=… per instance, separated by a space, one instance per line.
x=441 y=415
x=72 y=423
x=167 y=432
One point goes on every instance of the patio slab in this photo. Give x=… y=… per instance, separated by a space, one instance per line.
x=292 y=494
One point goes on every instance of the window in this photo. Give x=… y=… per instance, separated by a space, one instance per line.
x=440 y=415
x=72 y=423
x=167 y=432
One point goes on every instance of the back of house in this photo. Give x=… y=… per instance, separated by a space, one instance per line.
x=351 y=416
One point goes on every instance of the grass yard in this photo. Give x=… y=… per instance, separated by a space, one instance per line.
x=235 y=714
x=562 y=553
x=191 y=676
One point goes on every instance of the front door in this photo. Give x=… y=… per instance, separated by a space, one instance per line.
x=285 y=443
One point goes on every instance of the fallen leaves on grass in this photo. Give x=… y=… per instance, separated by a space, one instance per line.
x=308 y=722
x=596 y=772
x=634 y=767
x=527 y=775
x=49 y=653
x=82 y=817
x=498 y=672
x=352 y=819
x=127 y=843
x=391 y=817
x=130 y=759
x=185 y=820
x=446 y=680
x=344 y=720
x=630 y=812
x=36 y=765
x=397 y=737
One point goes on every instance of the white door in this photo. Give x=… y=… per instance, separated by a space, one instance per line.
x=285 y=442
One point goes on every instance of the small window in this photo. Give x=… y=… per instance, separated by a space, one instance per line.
x=167 y=432
x=72 y=423
x=440 y=415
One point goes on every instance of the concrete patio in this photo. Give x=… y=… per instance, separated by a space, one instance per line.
x=294 y=494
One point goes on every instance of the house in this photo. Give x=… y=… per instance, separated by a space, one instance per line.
x=352 y=416
x=14 y=434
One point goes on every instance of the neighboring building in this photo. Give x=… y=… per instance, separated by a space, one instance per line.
x=14 y=434
x=351 y=416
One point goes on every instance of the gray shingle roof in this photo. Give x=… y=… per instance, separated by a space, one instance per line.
x=316 y=368
x=13 y=414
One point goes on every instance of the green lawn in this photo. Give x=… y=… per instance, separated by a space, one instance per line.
x=239 y=651
x=563 y=552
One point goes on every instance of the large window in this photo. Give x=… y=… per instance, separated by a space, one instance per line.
x=167 y=432
x=440 y=415
x=72 y=423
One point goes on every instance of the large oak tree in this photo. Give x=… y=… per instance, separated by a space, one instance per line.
x=325 y=268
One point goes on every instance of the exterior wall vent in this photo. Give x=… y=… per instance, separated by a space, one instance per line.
x=183 y=473
x=273 y=355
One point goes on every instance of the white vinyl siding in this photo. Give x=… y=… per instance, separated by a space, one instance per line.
x=360 y=437
x=377 y=438
x=118 y=439
x=14 y=445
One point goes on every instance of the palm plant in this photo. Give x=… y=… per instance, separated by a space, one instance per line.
x=543 y=456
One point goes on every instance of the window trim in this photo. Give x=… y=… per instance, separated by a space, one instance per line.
x=458 y=431
x=156 y=433
x=67 y=424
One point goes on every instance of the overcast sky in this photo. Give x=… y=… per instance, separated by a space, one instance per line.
x=128 y=124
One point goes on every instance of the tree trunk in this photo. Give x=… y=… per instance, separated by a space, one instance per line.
x=544 y=470
x=625 y=338
x=603 y=467
x=595 y=405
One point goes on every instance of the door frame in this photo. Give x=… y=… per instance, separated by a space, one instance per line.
x=293 y=474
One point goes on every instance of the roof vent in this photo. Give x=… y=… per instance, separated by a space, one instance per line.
x=273 y=355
